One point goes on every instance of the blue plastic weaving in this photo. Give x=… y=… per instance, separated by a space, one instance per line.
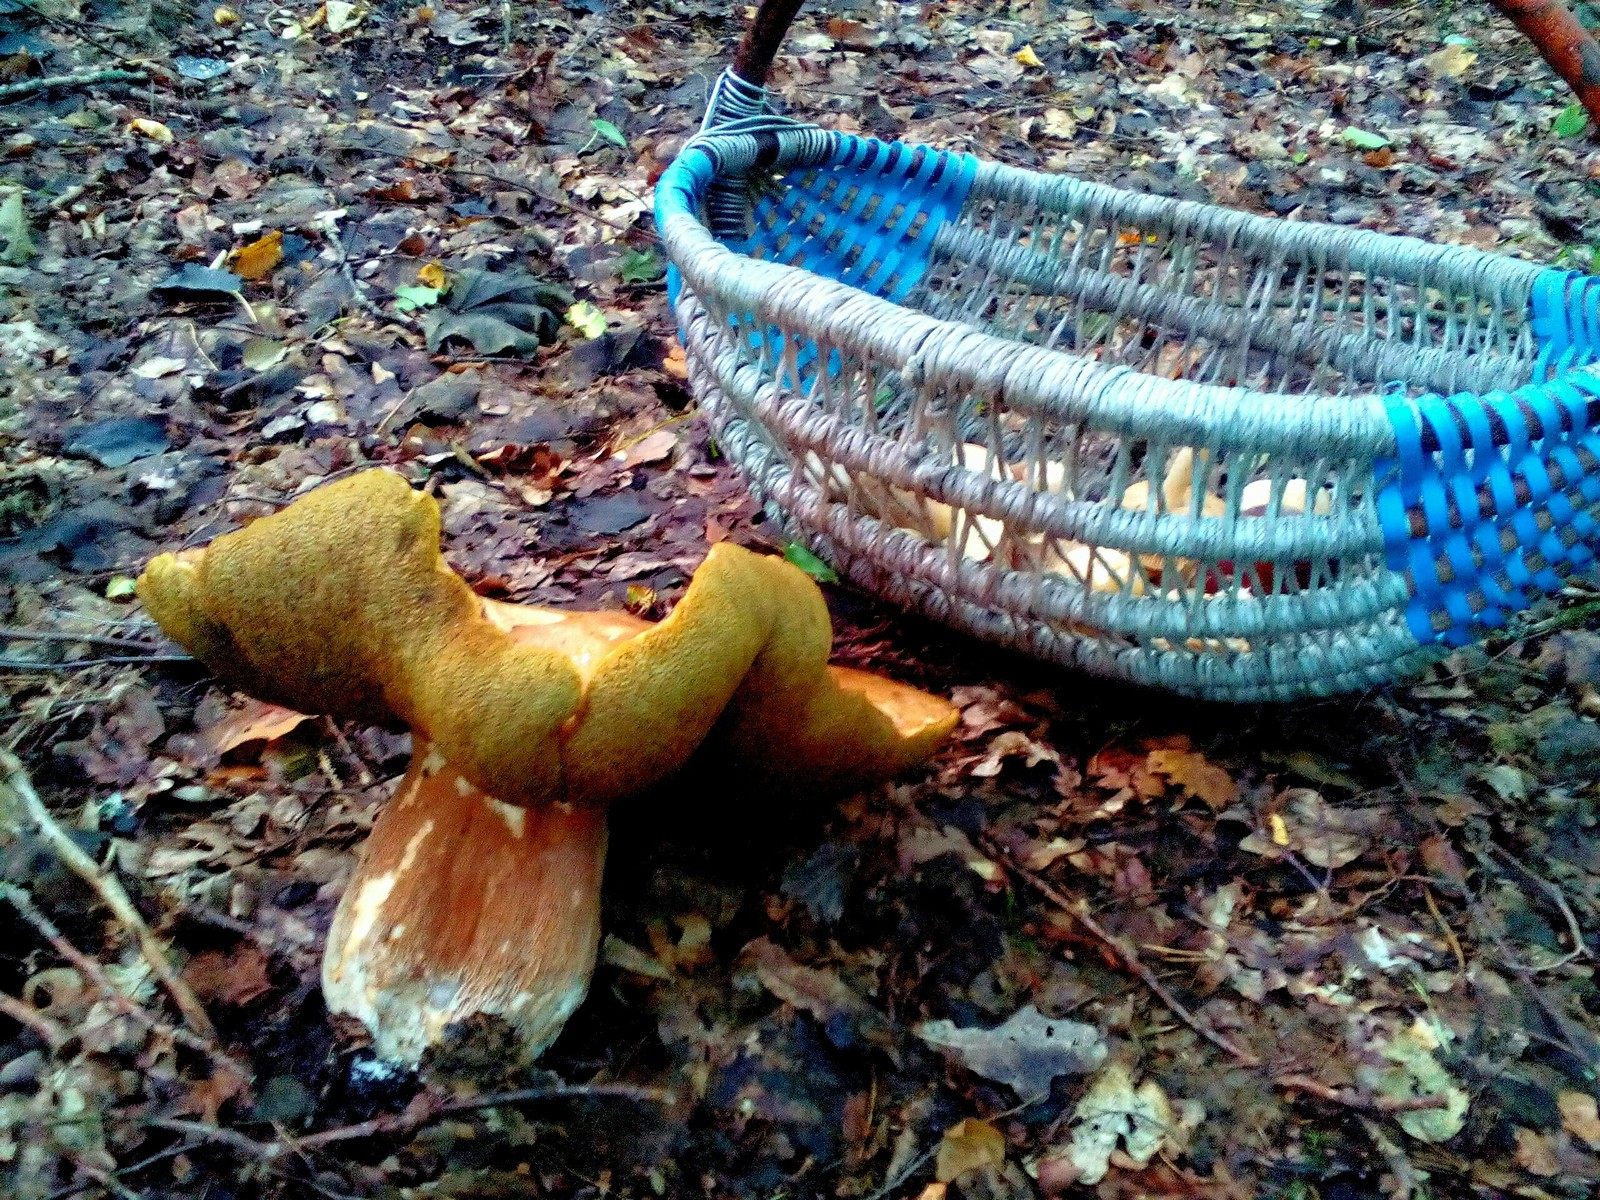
x=1565 y=316
x=867 y=217
x=1489 y=501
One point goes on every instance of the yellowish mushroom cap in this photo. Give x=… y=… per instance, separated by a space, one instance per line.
x=342 y=603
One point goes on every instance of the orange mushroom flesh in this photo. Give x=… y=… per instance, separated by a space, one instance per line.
x=478 y=890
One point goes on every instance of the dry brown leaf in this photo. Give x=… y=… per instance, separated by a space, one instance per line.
x=968 y=1146
x=1196 y=775
x=1580 y=1118
x=252 y=721
x=1536 y=1153
x=236 y=978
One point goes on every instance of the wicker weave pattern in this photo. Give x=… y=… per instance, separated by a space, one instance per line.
x=1140 y=436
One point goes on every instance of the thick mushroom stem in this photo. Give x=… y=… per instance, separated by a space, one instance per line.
x=463 y=904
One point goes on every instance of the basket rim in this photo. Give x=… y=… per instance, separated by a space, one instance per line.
x=1050 y=382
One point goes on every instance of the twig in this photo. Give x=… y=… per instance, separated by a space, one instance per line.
x=10 y=633
x=422 y=1110
x=24 y=664
x=40 y=83
x=52 y=1031
x=358 y=290
x=111 y=893
x=1579 y=947
x=1360 y=1101
x=96 y=975
x=1126 y=954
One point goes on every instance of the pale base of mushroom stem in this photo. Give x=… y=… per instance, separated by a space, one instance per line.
x=462 y=905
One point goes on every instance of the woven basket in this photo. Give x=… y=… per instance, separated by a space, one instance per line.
x=1233 y=456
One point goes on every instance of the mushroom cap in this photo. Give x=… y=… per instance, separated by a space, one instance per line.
x=343 y=603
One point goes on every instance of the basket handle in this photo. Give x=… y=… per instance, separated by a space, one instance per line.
x=762 y=39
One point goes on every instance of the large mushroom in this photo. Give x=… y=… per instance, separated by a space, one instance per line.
x=478 y=889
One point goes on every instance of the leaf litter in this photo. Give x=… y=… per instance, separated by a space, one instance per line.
x=1336 y=949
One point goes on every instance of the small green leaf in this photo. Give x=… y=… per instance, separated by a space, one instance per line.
x=1570 y=121
x=610 y=133
x=121 y=587
x=414 y=296
x=14 y=229
x=640 y=266
x=809 y=563
x=586 y=319
x=1361 y=139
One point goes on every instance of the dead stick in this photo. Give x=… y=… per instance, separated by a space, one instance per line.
x=422 y=1110
x=111 y=892
x=96 y=974
x=9 y=633
x=1126 y=954
x=81 y=79
x=1359 y=1100
x=52 y=1031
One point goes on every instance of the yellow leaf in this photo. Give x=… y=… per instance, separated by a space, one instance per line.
x=1027 y=57
x=225 y=16
x=1452 y=61
x=256 y=260
x=1580 y=1116
x=967 y=1146
x=586 y=319
x=1195 y=775
x=1280 y=831
x=154 y=130
x=433 y=275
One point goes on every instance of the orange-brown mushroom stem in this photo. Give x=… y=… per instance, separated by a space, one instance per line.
x=480 y=889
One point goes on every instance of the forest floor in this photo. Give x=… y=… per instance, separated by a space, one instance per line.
x=1335 y=949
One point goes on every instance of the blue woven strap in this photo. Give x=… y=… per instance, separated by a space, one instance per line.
x=866 y=216
x=1448 y=501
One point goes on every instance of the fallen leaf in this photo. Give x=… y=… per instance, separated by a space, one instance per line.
x=1536 y=1153
x=158 y=367
x=586 y=319
x=1323 y=834
x=1195 y=775
x=1027 y=57
x=154 y=130
x=1114 y=1110
x=1579 y=1117
x=843 y=1015
x=257 y=260
x=1026 y=1053
x=1416 y=1073
x=969 y=1145
x=651 y=448
x=252 y=721
x=1452 y=61
x=236 y=978
x=14 y=228
x=341 y=15
x=433 y=274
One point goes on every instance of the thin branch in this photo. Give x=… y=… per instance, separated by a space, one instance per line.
x=52 y=1031
x=111 y=893
x=422 y=1110
x=1579 y=947
x=96 y=974
x=1078 y=909
x=25 y=87
x=24 y=664
x=1360 y=1101
x=10 y=633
